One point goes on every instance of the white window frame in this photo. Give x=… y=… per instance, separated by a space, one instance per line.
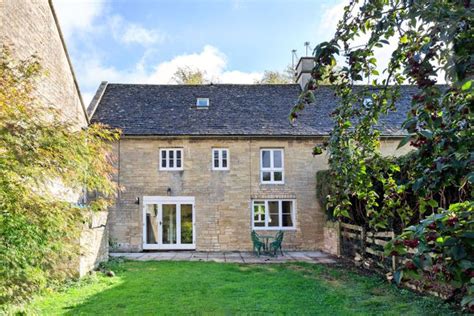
x=272 y=169
x=220 y=159
x=167 y=167
x=280 y=214
x=202 y=106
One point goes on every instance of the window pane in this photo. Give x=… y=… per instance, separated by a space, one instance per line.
x=169 y=223
x=216 y=158
x=273 y=220
x=266 y=159
x=224 y=158
x=151 y=224
x=171 y=154
x=278 y=176
x=287 y=207
x=259 y=214
x=266 y=176
x=277 y=159
x=186 y=224
x=178 y=163
x=178 y=154
x=171 y=161
x=163 y=158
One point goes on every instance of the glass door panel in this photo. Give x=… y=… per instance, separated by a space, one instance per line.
x=151 y=224
x=186 y=223
x=169 y=224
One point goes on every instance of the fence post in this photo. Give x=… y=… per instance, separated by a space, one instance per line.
x=338 y=237
x=362 y=241
x=394 y=259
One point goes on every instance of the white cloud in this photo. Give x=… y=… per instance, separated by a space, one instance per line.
x=210 y=60
x=78 y=15
x=131 y=33
x=330 y=17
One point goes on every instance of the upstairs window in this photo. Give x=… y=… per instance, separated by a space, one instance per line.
x=220 y=159
x=171 y=159
x=202 y=103
x=271 y=166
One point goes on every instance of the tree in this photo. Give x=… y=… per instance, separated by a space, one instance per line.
x=276 y=77
x=38 y=148
x=187 y=75
x=431 y=37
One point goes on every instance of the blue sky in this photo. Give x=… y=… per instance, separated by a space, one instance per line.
x=145 y=41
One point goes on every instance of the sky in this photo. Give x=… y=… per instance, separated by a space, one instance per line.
x=146 y=41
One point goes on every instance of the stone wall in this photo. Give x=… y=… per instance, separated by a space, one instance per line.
x=332 y=238
x=94 y=242
x=223 y=198
x=30 y=28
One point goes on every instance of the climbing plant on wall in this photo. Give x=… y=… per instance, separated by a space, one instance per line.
x=40 y=152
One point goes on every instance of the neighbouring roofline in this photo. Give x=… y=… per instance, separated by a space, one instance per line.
x=63 y=42
x=96 y=99
x=382 y=137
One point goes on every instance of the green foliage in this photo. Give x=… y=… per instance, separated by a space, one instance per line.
x=443 y=245
x=185 y=288
x=40 y=155
x=276 y=77
x=187 y=75
x=324 y=189
x=432 y=37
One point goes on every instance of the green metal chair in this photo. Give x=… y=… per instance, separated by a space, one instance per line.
x=257 y=244
x=276 y=244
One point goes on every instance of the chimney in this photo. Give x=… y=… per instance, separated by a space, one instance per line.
x=303 y=71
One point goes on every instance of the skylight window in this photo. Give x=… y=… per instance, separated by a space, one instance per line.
x=202 y=102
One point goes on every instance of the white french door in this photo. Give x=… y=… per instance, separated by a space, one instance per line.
x=168 y=222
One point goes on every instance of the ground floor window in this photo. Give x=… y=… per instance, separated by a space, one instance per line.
x=273 y=214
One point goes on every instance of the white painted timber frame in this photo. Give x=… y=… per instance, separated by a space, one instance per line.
x=175 y=159
x=178 y=201
x=220 y=158
x=280 y=214
x=272 y=169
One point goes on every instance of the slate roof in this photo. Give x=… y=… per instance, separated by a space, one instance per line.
x=234 y=110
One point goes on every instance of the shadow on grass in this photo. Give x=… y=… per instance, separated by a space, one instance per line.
x=199 y=287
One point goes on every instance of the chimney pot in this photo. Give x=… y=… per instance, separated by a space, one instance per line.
x=303 y=71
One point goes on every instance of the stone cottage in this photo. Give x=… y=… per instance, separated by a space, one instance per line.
x=204 y=165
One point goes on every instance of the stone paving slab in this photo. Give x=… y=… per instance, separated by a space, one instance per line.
x=234 y=257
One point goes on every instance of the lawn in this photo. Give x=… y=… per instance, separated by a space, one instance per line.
x=167 y=287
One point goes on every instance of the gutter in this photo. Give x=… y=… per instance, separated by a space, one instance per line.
x=137 y=136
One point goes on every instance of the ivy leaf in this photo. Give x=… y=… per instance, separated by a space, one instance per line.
x=404 y=39
x=467 y=85
x=427 y=134
x=410 y=125
x=404 y=141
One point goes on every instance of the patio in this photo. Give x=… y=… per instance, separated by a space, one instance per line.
x=233 y=257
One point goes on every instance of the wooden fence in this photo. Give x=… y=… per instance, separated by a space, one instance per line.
x=358 y=242
x=365 y=246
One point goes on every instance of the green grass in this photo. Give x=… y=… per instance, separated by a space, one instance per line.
x=146 y=288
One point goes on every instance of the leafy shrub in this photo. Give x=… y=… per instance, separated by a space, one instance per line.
x=324 y=188
x=40 y=151
x=443 y=246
